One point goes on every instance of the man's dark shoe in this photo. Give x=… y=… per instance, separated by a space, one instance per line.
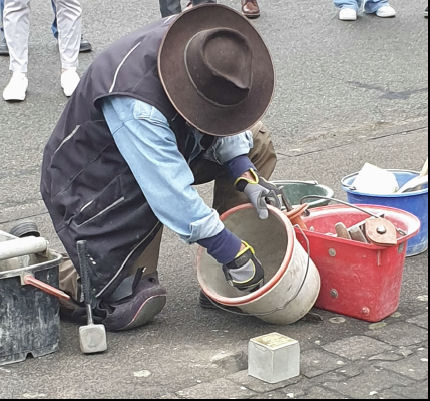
x=4 y=50
x=250 y=8
x=144 y=298
x=85 y=45
x=207 y=303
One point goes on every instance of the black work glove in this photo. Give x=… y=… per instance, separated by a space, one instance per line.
x=260 y=192
x=244 y=272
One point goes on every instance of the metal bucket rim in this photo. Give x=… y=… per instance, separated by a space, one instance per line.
x=315 y=203
x=37 y=267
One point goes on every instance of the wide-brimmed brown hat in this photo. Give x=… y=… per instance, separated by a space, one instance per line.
x=216 y=70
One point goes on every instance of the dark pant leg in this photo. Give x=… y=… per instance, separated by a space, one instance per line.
x=1 y=14
x=197 y=2
x=54 y=28
x=169 y=7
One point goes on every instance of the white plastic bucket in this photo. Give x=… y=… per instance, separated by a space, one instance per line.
x=292 y=282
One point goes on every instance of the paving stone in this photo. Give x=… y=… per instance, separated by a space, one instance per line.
x=415 y=367
x=416 y=391
x=231 y=362
x=317 y=362
x=243 y=379
x=387 y=356
x=400 y=334
x=321 y=393
x=311 y=389
x=169 y=396
x=218 y=389
x=420 y=320
x=350 y=371
x=275 y=395
x=365 y=385
x=404 y=351
x=329 y=377
x=357 y=347
x=389 y=394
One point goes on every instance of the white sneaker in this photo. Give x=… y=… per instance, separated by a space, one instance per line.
x=386 y=12
x=69 y=81
x=347 y=14
x=16 y=88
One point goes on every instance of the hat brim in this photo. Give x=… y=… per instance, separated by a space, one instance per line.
x=199 y=112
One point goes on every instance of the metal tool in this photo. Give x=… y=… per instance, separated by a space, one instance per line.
x=92 y=337
x=294 y=214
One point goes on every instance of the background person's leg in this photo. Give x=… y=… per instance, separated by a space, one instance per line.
x=169 y=7
x=69 y=23
x=54 y=28
x=4 y=51
x=16 y=24
x=354 y=4
x=69 y=37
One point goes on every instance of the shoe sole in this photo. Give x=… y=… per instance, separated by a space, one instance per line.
x=251 y=16
x=206 y=303
x=85 y=49
x=146 y=312
x=14 y=99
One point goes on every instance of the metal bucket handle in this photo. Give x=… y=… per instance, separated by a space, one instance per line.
x=399 y=230
x=24 y=246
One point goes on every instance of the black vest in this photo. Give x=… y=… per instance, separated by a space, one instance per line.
x=86 y=184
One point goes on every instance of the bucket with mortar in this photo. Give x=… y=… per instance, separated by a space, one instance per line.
x=29 y=308
x=292 y=282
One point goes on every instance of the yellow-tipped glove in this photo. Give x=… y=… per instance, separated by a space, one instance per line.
x=260 y=192
x=244 y=272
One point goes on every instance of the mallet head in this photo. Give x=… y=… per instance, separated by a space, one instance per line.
x=92 y=338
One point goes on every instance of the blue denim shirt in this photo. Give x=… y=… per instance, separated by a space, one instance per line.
x=145 y=140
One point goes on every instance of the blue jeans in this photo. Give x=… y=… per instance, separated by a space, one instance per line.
x=54 y=24
x=1 y=14
x=371 y=5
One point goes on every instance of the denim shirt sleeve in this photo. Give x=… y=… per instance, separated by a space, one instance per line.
x=145 y=140
x=229 y=147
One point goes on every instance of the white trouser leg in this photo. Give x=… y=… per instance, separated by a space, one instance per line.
x=16 y=24
x=69 y=25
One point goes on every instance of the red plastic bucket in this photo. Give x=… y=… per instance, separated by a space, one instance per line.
x=357 y=279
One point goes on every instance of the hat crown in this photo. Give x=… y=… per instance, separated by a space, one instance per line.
x=219 y=65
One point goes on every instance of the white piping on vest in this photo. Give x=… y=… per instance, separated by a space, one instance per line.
x=67 y=138
x=106 y=209
x=120 y=65
x=126 y=259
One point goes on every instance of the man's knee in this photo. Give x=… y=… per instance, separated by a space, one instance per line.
x=263 y=153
